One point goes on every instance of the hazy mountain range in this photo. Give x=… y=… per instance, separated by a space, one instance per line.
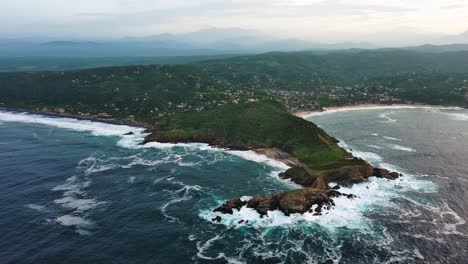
x=212 y=41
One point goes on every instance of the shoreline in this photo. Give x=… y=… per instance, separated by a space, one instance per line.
x=93 y=118
x=313 y=186
x=270 y=153
x=357 y=107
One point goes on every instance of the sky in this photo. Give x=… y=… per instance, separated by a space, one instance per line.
x=326 y=21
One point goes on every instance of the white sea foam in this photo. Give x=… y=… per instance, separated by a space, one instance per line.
x=81 y=224
x=183 y=194
x=387 y=118
x=75 y=198
x=202 y=247
x=350 y=213
x=392 y=138
x=369 y=156
x=459 y=116
x=378 y=107
x=37 y=207
x=402 y=148
x=96 y=128
x=127 y=141
x=78 y=204
x=251 y=155
x=72 y=220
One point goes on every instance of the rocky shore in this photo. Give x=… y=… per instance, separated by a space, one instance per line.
x=314 y=197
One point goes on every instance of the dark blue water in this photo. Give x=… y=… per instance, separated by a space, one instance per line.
x=80 y=192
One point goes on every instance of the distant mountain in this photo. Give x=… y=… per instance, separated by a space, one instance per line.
x=211 y=41
x=439 y=48
x=453 y=39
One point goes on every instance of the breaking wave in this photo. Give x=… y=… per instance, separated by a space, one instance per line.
x=459 y=116
x=402 y=148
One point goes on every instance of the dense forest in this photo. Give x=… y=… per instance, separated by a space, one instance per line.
x=300 y=80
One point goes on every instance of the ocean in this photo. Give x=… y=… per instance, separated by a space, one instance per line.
x=82 y=192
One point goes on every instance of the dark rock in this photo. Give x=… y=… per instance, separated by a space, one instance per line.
x=349 y=174
x=240 y=222
x=216 y=219
x=228 y=206
x=383 y=173
x=334 y=193
x=336 y=187
x=290 y=202
x=129 y=133
x=263 y=204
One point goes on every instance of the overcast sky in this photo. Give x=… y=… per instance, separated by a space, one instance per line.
x=314 y=20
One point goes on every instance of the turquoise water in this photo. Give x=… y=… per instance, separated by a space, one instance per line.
x=81 y=192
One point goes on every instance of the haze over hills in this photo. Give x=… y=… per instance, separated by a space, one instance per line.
x=35 y=53
x=211 y=41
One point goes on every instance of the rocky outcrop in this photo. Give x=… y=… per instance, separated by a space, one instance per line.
x=228 y=206
x=386 y=174
x=291 y=202
x=315 y=197
x=307 y=177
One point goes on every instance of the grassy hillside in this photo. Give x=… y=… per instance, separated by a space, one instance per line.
x=256 y=125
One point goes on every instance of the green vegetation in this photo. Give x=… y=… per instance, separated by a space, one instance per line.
x=256 y=125
x=299 y=80
x=58 y=63
x=350 y=77
x=148 y=92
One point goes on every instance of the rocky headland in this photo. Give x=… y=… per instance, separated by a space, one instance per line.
x=316 y=194
x=314 y=177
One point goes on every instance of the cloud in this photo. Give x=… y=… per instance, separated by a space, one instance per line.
x=317 y=20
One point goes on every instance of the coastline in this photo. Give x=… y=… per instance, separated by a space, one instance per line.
x=357 y=107
x=112 y=121
x=314 y=195
x=270 y=153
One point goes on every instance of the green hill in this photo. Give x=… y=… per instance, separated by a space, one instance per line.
x=147 y=92
x=308 y=70
x=255 y=125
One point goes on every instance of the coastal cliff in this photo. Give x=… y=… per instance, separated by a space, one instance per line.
x=315 y=158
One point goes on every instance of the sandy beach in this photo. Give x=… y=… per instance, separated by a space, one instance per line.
x=334 y=109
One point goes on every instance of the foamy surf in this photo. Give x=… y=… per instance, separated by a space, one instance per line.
x=127 y=141
x=402 y=148
x=96 y=128
x=333 y=110
x=374 y=194
x=459 y=116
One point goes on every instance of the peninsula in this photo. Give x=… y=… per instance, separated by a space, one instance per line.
x=267 y=128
